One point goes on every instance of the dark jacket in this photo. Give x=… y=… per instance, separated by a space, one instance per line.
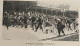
x=60 y=26
x=33 y=19
x=39 y=21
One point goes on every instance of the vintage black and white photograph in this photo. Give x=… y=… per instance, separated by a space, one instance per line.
x=40 y=20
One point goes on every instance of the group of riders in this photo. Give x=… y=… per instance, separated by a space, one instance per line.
x=37 y=20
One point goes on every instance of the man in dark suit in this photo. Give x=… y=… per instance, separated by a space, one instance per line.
x=25 y=20
x=39 y=22
x=7 y=21
x=69 y=22
x=33 y=19
x=60 y=28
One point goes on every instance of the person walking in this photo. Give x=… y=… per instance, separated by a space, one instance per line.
x=7 y=21
x=33 y=19
x=39 y=22
x=25 y=20
x=60 y=28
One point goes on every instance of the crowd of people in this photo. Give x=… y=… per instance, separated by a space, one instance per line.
x=38 y=20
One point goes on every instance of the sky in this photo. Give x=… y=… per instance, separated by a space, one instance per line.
x=72 y=4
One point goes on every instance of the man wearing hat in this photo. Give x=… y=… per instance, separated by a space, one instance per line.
x=60 y=27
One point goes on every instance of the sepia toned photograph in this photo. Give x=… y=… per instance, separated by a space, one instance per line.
x=40 y=21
